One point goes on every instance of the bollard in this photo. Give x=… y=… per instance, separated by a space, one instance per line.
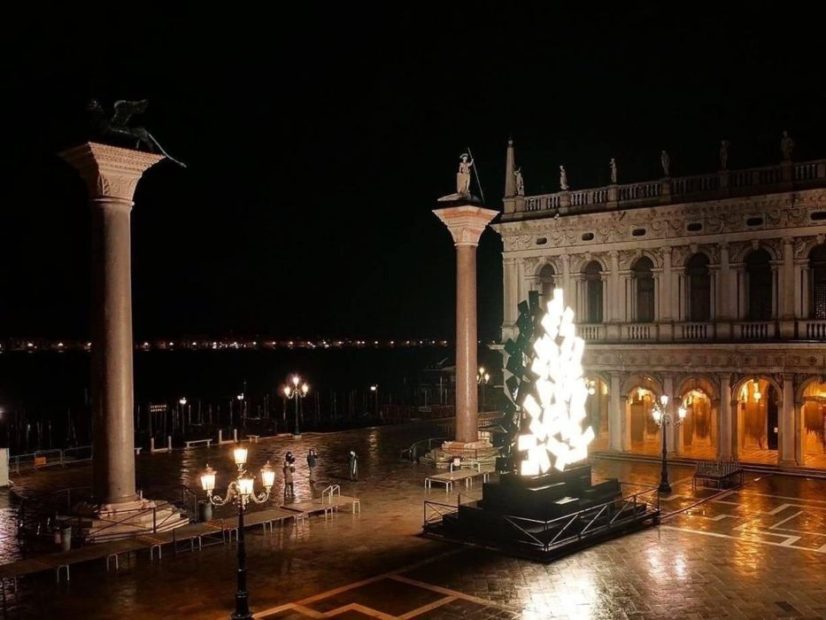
x=151 y=445
x=66 y=538
x=235 y=435
x=204 y=511
x=220 y=436
x=169 y=443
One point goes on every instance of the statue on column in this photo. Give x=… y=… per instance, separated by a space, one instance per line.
x=463 y=175
x=563 y=179
x=724 y=144
x=613 y=166
x=117 y=127
x=520 y=182
x=786 y=146
x=665 y=160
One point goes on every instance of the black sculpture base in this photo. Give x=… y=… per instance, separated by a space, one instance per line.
x=548 y=496
x=545 y=515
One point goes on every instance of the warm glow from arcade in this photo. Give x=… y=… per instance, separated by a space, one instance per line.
x=557 y=407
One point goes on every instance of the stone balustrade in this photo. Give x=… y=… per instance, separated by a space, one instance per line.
x=675 y=189
x=722 y=331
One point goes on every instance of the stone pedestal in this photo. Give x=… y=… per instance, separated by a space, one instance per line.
x=466 y=221
x=111 y=175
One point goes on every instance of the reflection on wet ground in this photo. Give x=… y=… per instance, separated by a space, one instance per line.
x=752 y=553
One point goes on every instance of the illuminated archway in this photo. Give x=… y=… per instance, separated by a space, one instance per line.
x=758 y=407
x=698 y=433
x=641 y=431
x=597 y=412
x=814 y=424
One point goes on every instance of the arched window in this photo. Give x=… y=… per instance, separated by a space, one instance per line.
x=644 y=282
x=817 y=275
x=546 y=283
x=592 y=276
x=759 y=279
x=698 y=288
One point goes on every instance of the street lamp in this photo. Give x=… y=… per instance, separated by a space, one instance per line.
x=240 y=492
x=375 y=389
x=296 y=391
x=482 y=378
x=664 y=417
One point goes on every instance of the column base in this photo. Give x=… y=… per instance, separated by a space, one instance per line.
x=459 y=447
x=788 y=464
x=108 y=522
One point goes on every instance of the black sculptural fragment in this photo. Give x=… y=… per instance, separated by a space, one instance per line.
x=117 y=127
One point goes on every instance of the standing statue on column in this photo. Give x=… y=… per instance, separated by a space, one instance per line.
x=463 y=175
x=786 y=146
x=563 y=179
x=613 y=165
x=724 y=144
x=520 y=182
x=665 y=160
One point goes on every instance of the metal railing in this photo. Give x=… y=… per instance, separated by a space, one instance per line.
x=329 y=493
x=49 y=458
x=546 y=535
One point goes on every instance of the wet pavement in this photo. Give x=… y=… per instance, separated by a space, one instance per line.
x=757 y=552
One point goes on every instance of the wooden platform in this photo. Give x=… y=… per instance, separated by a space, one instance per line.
x=448 y=478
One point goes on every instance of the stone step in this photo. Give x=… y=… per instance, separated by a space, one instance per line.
x=165 y=520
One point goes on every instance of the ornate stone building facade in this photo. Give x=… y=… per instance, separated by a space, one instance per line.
x=710 y=289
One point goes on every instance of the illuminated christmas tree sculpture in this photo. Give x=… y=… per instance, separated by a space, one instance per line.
x=556 y=408
x=547 y=414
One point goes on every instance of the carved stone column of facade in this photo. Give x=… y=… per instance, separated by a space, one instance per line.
x=521 y=285
x=622 y=301
x=466 y=222
x=666 y=294
x=614 y=284
x=723 y=310
x=510 y=288
x=737 y=294
x=801 y=289
x=799 y=432
x=787 y=288
x=111 y=175
x=786 y=424
x=776 y=297
x=616 y=415
x=726 y=448
x=567 y=285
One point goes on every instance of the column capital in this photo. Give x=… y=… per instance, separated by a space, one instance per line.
x=110 y=171
x=466 y=223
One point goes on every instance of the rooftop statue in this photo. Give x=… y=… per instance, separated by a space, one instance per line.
x=117 y=127
x=520 y=182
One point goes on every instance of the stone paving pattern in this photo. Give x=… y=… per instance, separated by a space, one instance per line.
x=753 y=553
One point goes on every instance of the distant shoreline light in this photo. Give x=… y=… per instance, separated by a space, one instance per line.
x=31 y=346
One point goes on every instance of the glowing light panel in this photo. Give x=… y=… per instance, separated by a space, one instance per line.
x=554 y=436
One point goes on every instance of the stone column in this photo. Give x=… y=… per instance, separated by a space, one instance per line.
x=111 y=175
x=510 y=286
x=786 y=424
x=466 y=222
x=616 y=414
x=726 y=441
x=787 y=290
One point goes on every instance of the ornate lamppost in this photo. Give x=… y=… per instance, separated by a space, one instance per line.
x=296 y=391
x=241 y=492
x=482 y=378
x=664 y=417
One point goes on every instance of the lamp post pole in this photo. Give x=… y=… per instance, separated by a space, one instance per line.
x=664 y=418
x=482 y=378
x=240 y=491
x=296 y=391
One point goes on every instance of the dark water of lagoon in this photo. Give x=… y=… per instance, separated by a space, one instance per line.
x=44 y=396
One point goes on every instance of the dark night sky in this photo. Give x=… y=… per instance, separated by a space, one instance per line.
x=318 y=138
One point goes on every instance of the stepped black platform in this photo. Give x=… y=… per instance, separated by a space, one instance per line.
x=544 y=517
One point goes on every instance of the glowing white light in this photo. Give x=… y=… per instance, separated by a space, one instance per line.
x=557 y=410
